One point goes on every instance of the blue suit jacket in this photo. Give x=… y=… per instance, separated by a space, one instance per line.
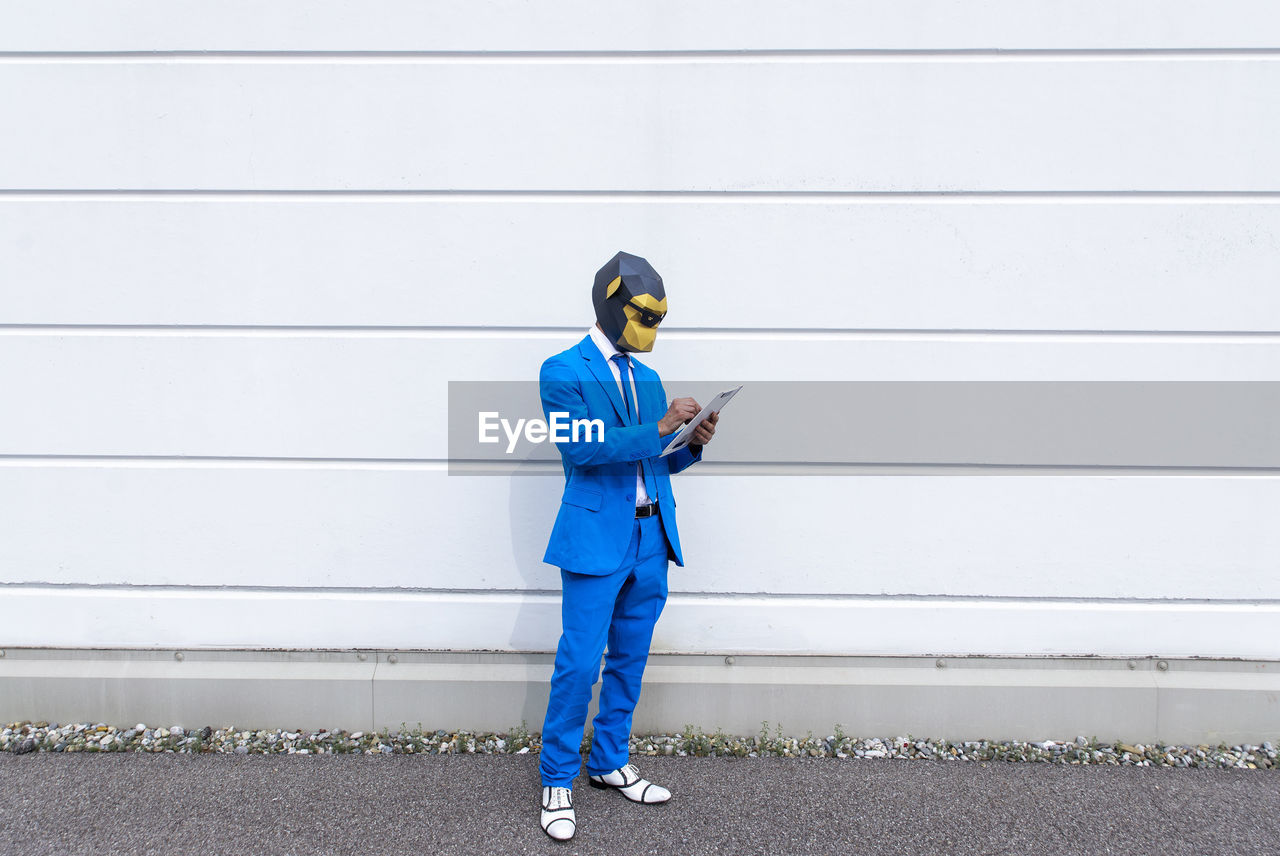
x=597 y=510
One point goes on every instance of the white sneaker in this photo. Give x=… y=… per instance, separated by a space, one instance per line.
x=558 y=819
x=627 y=781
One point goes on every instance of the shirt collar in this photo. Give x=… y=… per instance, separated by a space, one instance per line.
x=602 y=342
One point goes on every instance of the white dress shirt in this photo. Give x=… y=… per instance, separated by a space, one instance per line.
x=609 y=350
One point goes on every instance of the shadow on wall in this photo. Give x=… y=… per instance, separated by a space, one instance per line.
x=533 y=501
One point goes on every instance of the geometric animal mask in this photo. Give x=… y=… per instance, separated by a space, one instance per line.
x=630 y=302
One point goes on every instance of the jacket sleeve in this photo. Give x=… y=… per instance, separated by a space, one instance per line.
x=561 y=393
x=683 y=458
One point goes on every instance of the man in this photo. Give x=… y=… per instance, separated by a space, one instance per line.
x=613 y=536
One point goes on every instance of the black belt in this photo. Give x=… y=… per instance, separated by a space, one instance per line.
x=647 y=510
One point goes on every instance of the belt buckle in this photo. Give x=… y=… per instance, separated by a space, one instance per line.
x=647 y=510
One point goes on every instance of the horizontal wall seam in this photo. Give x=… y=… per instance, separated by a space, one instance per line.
x=552 y=467
x=383 y=591
x=467 y=331
x=624 y=194
x=748 y=55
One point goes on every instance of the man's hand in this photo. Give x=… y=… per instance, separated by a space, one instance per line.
x=680 y=412
x=704 y=432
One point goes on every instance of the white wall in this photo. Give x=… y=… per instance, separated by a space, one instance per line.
x=243 y=249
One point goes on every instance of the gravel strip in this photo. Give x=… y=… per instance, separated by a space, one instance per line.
x=24 y=737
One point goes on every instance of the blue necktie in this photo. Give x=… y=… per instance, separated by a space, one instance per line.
x=633 y=416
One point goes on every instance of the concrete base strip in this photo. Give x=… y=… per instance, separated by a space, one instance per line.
x=966 y=698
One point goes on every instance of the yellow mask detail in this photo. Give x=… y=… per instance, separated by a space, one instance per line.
x=641 y=329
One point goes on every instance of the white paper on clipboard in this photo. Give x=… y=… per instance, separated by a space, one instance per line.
x=685 y=434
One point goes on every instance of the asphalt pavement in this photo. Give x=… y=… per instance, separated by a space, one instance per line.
x=292 y=805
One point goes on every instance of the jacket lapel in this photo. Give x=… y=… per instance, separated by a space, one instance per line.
x=596 y=365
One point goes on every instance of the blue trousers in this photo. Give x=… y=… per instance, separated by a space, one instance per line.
x=619 y=609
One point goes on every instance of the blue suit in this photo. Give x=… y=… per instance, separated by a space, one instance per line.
x=613 y=564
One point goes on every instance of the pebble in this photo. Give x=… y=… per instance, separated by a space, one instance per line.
x=21 y=738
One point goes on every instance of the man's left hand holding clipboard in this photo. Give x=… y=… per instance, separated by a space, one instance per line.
x=699 y=430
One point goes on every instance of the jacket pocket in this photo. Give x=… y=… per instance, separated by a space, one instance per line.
x=583 y=498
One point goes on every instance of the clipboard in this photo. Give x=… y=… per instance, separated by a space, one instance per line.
x=685 y=434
